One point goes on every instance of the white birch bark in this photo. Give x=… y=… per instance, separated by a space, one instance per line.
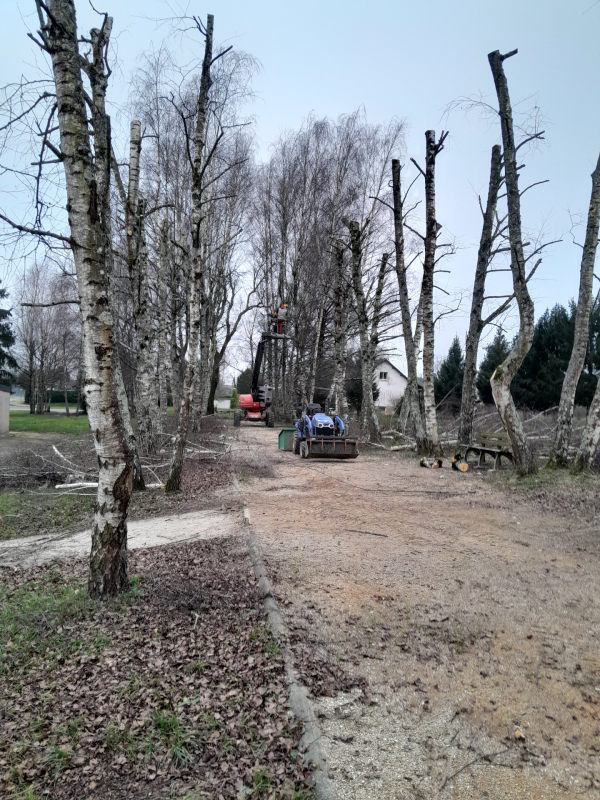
x=590 y=439
x=560 y=447
x=87 y=177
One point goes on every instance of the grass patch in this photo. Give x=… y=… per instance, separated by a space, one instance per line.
x=35 y=620
x=48 y=423
x=266 y=638
x=31 y=512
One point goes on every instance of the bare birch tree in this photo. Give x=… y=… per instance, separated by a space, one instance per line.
x=560 y=447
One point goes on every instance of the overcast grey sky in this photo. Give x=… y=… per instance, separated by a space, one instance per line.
x=409 y=60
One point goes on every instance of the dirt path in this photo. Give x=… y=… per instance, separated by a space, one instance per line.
x=474 y=617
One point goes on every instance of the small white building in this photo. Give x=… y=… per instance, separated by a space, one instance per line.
x=391 y=384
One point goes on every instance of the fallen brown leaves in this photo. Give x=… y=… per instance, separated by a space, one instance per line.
x=176 y=690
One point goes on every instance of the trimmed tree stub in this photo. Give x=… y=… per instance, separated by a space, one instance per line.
x=432 y=228
x=503 y=375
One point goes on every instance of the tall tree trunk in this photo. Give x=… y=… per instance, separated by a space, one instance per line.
x=432 y=228
x=562 y=437
x=87 y=183
x=502 y=377
x=467 y=408
x=162 y=331
x=196 y=272
x=411 y=401
x=146 y=395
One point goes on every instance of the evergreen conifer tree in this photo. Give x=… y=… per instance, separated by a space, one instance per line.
x=449 y=379
x=7 y=339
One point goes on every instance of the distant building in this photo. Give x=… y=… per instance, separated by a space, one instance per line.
x=391 y=383
x=223 y=396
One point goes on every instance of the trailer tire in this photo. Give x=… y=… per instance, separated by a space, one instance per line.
x=269 y=418
x=296 y=444
x=237 y=418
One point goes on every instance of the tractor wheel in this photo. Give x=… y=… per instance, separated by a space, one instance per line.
x=304 y=449
x=269 y=418
x=296 y=444
x=237 y=418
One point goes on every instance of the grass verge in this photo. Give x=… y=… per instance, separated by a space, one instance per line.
x=48 y=423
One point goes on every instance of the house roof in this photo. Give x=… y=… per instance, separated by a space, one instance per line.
x=389 y=364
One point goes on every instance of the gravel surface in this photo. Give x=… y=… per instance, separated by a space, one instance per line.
x=465 y=613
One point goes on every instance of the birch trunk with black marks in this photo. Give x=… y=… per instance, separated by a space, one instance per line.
x=562 y=437
x=87 y=176
x=432 y=227
x=504 y=374
x=411 y=403
x=162 y=331
x=196 y=278
x=476 y=324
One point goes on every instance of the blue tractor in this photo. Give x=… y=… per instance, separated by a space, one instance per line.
x=319 y=436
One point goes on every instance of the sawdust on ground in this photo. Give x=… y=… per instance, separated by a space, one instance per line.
x=474 y=616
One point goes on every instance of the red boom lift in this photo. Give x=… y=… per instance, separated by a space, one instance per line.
x=256 y=406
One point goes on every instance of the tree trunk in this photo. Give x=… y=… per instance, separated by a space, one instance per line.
x=465 y=430
x=87 y=183
x=146 y=394
x=340 y=336
x=214 y=383
x=196 y=272
x=562 y=437
x=368 y=416
x=503 y=375
x=433 y=445
x=590 y=438
x=162 y=333
x=317 y=348
x=411 y=401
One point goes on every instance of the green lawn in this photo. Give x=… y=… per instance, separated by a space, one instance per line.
x=48 y=423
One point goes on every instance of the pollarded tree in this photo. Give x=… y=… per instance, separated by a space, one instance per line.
x=504 y=374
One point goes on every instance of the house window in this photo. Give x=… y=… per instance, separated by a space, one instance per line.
x=383 y=376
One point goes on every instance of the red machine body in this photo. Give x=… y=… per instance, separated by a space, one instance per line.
x=254 y=413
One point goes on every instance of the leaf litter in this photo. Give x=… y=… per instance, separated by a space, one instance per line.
x=176 y=689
